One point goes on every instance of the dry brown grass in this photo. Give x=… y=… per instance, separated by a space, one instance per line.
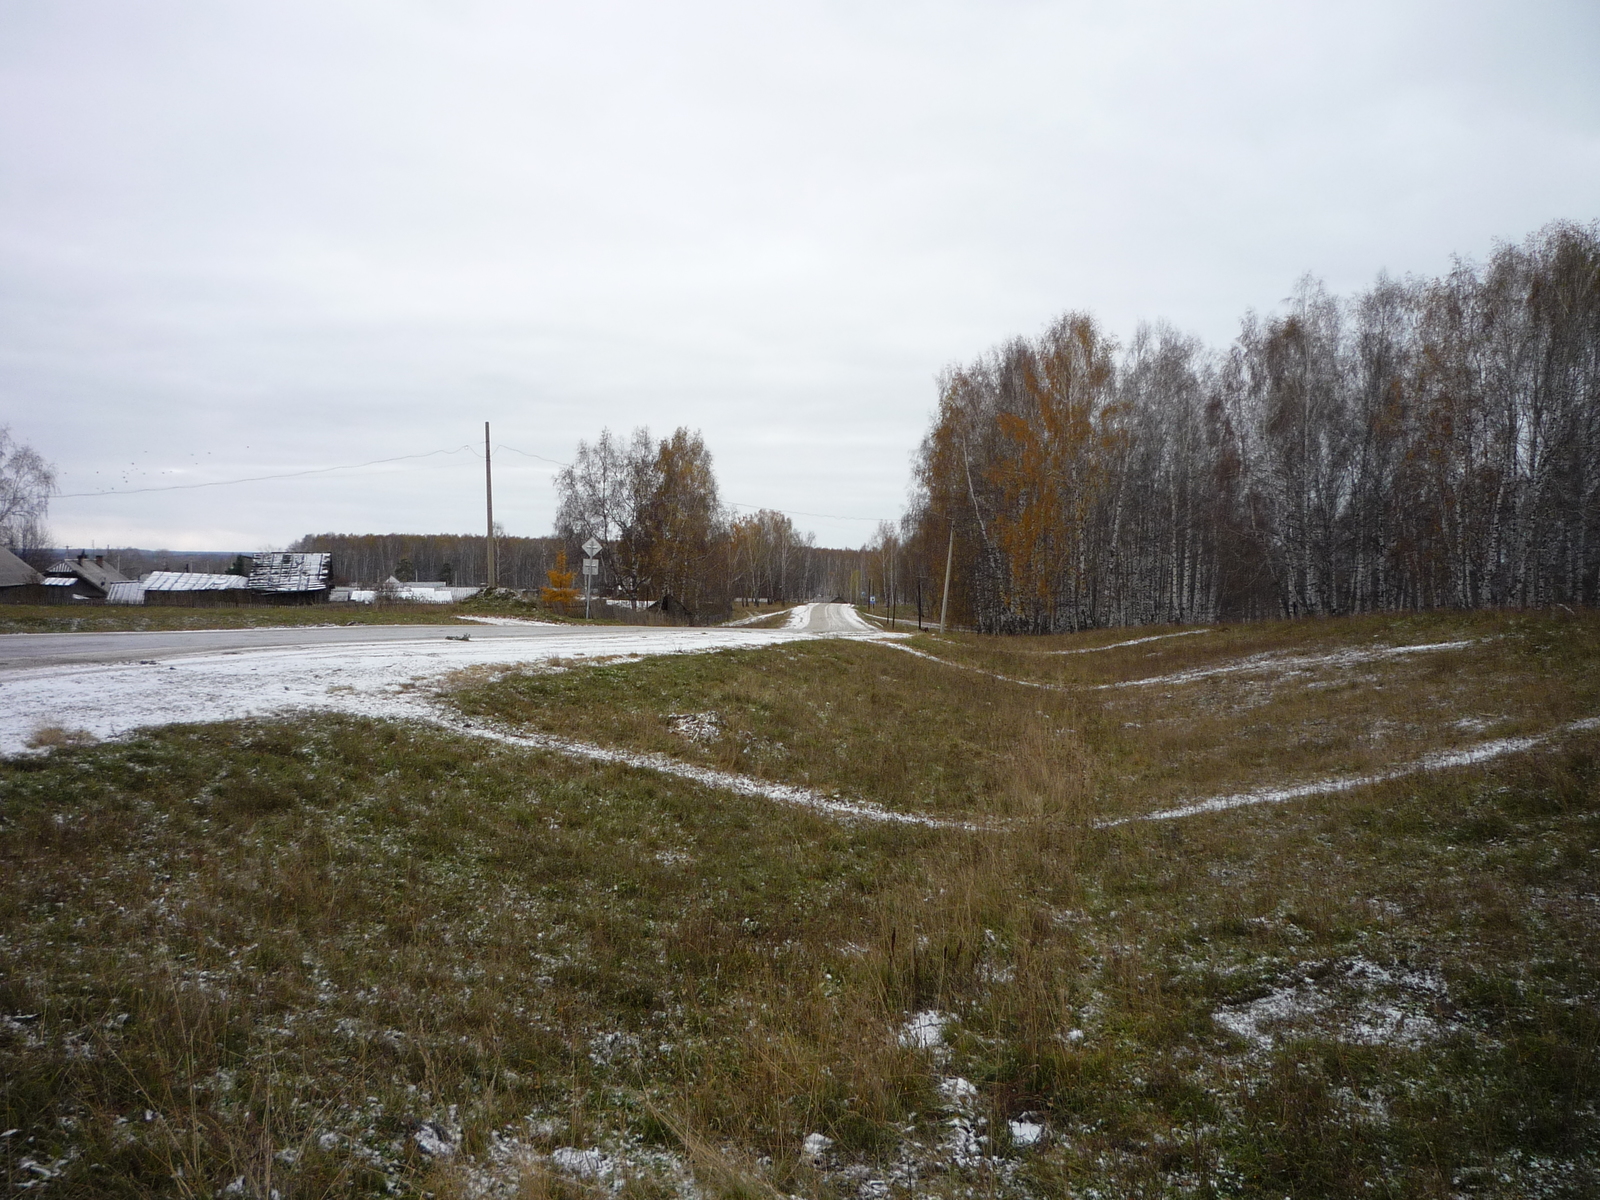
x=914 y=734
x=52 y=737
x=835 y=715
x=364 y=926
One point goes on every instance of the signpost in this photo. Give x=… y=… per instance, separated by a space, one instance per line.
x=591 y=568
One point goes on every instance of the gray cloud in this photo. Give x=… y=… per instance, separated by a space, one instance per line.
x=239 y=239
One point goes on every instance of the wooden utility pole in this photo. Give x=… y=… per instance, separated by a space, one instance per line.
x=488 y=494
x=948 y=555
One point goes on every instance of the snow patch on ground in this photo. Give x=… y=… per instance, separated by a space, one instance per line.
x=1439 y=761
x=583 y=1164
x=815 y=1146
x=696 y=727
x=1288 y=664
x=1259 y=662
x=925 y=1030
x=752 y=619
x=511 y=1167
x=1026 y=1133
x=1360 y=1003
x=436 y=1140
x=1033 y=683
x=740 y=785
x=370 y=679
x=1134 y=642
x=799 y=616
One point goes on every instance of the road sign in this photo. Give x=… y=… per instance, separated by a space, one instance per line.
x=591 y=548
x=591 y=566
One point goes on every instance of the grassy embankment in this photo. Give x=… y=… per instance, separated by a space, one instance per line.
x=111 y=618
x=274 y=950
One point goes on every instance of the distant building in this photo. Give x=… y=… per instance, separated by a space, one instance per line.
x=19 y=583
x=131 y=592
x=83 y=578
x=191 y=589
x=280 y=578
x=393 y=591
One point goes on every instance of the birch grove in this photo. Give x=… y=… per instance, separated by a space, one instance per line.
x=1428 y=443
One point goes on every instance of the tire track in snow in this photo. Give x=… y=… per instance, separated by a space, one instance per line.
x=1160 y=637
x=728 y=781
x=1259 y=662
x=747 y=785
x=1033 y=683
x=1270 y=662
x=1439 y=760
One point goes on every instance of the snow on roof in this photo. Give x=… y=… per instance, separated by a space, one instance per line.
x=60 y=581
x=14 y=572
x=192 y=581
x=279 y=572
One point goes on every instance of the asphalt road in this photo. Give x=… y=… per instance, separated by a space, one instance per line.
x=21 y=650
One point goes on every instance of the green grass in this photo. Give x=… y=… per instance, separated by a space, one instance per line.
x=291 y=942
x=837 y=715
x=111 y=618
x=949 y=736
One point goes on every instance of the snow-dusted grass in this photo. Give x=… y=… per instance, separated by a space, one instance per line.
x=377 y=679
x=1443 y=761
x=944 y=733
x=835 y=717
x=332 y=954
x=1248 y=712
x=342 y=954
x=57 y=618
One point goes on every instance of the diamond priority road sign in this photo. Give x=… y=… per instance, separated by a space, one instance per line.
x=592 y=547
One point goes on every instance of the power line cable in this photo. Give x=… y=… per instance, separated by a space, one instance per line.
x=180 y=487
x=525 y=454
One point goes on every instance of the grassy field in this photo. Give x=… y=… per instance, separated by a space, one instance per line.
x=105 y=618
x=113 y=618
x=331 y=956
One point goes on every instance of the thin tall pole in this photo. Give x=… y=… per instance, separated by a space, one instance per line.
x=948 y=555
x=488 y=495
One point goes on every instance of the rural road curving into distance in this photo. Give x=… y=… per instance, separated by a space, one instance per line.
x=109 y=683
x=20 y=650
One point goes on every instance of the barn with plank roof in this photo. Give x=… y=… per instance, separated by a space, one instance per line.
x=278 y=577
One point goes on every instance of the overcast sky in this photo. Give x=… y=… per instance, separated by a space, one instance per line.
x=242 y=239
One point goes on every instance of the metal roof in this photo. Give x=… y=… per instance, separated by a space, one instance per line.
x=60 y=581
x=192 y=581
x=279 y=572
x=86 y=569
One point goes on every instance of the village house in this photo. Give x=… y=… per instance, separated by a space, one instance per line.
x=83 y=578
x=19 y=583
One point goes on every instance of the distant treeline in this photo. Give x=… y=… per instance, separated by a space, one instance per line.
x=1427 y=443
x=656 y=508
x=757 y=556
x=132 y=562
x=370 y=558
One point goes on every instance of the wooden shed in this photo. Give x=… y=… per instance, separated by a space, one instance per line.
x=288 y=578
x=192 y=589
